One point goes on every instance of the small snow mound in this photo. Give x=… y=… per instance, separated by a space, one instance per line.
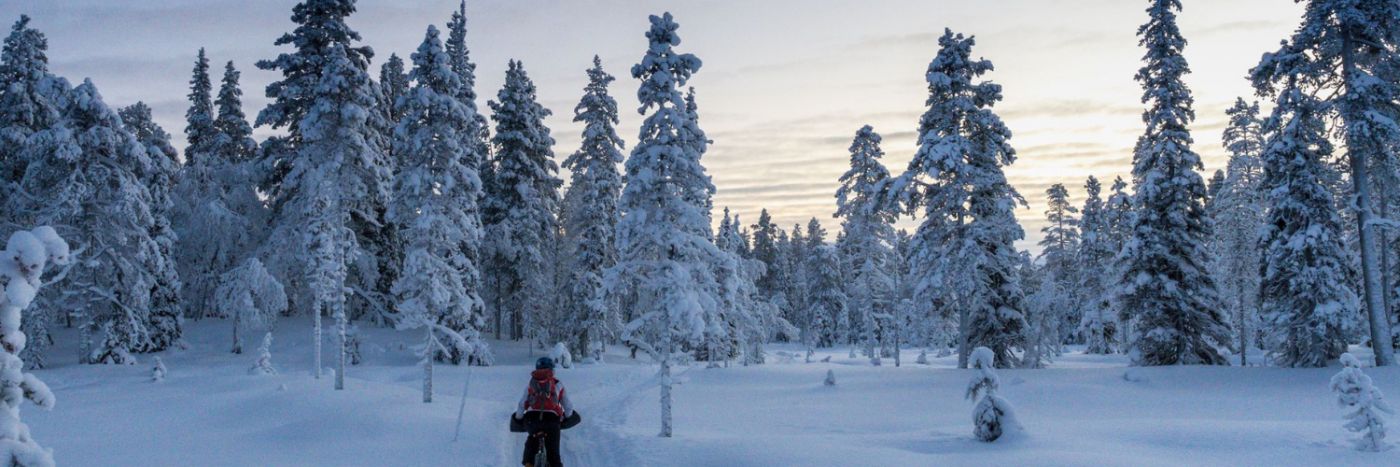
x=830 y=378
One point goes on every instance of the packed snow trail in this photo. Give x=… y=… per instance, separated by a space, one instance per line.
x=599 y=440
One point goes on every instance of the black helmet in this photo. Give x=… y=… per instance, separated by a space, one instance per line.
x=544 y=363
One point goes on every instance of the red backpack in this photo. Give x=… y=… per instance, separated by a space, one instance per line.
x=543 y=395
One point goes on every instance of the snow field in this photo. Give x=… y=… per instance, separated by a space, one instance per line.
x=1081 y=411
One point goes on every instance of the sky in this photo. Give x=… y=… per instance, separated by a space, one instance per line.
x=784 y=86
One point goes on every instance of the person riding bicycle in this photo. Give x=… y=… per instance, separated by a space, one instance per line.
x=544 y=407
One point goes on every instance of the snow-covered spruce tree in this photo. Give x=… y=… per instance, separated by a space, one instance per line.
x=479 y=133
x=828 y=318
x=797 y=289
x=1053 y=299
x=22 y=264
x=164 y=316
x=1348 y=50
x=478 y=139
x=199 y=117
x=195 y=179
x=1166 y=285
x=393 y=84
x=766 y=248
x=31 y=100
x=1237 y=211
x=1308 y=305
x=215 y=220
x=329 y=170
x=435 y=203
x=754 y=318
x=992 y=416
x=962 y=255
x=251 y=297
x=527 y=195
x=1094 y=260
x=590 y=215
x=320 y=30
x=1363 y=402
x=664 y=247
x=264 y=366
x=1058 y=246
x=87 y=172
x=1118 y=224
x=866 y=245
x=725 y=327
x=825 y=322
x=1217 y=180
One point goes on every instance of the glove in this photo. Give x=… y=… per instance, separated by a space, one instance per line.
x=516 y=416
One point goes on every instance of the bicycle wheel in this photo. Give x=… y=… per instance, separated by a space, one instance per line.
x=542 y=457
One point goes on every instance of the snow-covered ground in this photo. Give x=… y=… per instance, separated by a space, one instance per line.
x=1083 y=411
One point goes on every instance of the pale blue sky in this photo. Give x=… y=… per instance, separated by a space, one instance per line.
x=784 y=86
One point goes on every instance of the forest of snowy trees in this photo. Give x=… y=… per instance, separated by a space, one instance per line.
x=396 y=201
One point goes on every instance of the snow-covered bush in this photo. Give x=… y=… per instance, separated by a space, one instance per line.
x=264 y=363
x=1363 y=403
x=923 y=357
x=22 y=266
x=830 y=378
x=992 y=416
x=561 y=356
x=251 y=296
x=158 y=372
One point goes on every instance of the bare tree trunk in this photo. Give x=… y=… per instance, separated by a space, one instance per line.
x=1242 y=316
x=316 y=335
x=340 y=324
x=1361 y=184
x=237 y=343
x=964 y=349
x=666 y=393
x=429 y=350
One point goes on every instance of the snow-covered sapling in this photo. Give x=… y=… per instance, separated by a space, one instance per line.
x=992 y=416
x=264 y=363
x=1363 y=403
x=562 y=356
x=830 y=378
x=923 y=357
x=252 y=296
x=158 y=372
x=21 y=266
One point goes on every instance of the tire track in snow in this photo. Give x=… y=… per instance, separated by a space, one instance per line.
x=599 y=440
